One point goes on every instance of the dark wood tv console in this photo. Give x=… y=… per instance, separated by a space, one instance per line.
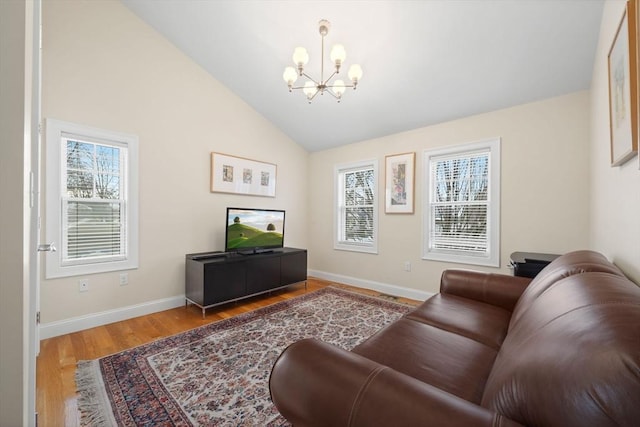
x=213 y=278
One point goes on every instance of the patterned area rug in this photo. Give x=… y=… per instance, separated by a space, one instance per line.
x=218 y=374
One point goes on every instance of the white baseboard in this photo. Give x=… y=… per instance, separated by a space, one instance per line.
x=75 y=324
x=376 y=286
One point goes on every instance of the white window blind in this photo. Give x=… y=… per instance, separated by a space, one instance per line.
x=93 y=207
x=459 y=205
x=462 y=204
x=357 y=207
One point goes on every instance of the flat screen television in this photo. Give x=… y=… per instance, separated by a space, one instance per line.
x=251 y=231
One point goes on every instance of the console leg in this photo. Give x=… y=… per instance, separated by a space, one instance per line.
x=203 y=312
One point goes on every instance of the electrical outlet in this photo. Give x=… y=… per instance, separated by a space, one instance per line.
x=83 y=285
x=124 y=279
x=407 y=266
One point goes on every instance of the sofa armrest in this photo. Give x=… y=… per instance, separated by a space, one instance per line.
x=497 y=289
x=316 y=384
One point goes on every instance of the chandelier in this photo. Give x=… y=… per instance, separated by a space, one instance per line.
x=313 y=87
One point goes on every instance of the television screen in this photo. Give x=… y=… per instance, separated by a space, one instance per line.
x=254 y=230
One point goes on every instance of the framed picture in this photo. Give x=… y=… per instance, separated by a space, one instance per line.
x=237 y=175
x=399 y=182
x=634 y=5
x=623 y=98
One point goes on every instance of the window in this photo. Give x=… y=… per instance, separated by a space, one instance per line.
x=91 y=200
x=462 y=204
x=357 y=207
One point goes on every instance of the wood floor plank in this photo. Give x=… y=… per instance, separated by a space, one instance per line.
x=49 y=389
x=56 y=399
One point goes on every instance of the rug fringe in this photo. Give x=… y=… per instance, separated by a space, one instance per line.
x=93 y=402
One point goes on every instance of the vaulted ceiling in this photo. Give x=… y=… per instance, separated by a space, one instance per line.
x=424 y=62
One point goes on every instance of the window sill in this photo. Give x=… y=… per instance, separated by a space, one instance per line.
x=356 y=248
x=54 y=270
x=488 y=261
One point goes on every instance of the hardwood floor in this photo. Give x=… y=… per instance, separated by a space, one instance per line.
x=56 y=365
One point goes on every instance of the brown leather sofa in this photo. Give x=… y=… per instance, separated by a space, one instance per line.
x=488 y=350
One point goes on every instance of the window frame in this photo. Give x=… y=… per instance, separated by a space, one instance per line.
x=339 y=242
x=57 y=133
x=491 y=257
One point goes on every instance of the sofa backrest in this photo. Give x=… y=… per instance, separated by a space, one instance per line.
x=573 y=357
x=567 y=265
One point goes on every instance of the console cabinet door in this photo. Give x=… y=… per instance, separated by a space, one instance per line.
x=263 y=273
x=194 y=279
x=224 y=281
x=293 y=268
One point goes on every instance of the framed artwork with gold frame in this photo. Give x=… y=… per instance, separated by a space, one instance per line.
x=623 y=84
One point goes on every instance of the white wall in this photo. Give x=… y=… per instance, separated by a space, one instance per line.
x=16 y=21
x=615 y=191
x=545 y=197
x=105 y=68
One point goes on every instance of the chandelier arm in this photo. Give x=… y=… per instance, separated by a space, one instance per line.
x=332 y=94
x=324 y=88
x=330 y=86
x=314 y=95
x=310 y=78
x=330 y=77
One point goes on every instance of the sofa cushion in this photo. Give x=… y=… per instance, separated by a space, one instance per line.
x=574 y=355
x=451 y=362
x=478 y=321
x=567 y=265
x=500 y=290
